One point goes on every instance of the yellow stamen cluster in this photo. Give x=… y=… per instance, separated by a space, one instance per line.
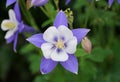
x=59 y=44
x=10 y=25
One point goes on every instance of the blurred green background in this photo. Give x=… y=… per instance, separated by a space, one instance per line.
x=102 y=65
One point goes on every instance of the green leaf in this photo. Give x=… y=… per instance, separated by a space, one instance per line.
x=6 y=58
x=34 y=60
x=47 y=22
x=50 y=10
x=40 y=78
x=27 y=49
x=79 y=3
x=88 y=68
x=99 y=54
x=80 y=52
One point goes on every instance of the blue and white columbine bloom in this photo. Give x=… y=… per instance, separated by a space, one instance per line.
x=10 y=25
x=14 y=25
x=58 y=44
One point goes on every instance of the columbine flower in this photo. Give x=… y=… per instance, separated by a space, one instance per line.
x=110 y=2
x=38 y=2
x=14 y=25
x=58 y=44
x=10 y=2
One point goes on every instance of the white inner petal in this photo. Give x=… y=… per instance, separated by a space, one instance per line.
x=12 y=16
x=7 y=25
x=9 y=34
x=3 y=26
x=47 y=49
x=59 y=56
x=50 y=34
x=71 y=45
x=65 y=33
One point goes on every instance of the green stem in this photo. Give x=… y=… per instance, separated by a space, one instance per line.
x=86 y=20
x=48 y=12
x=87 y=16
x=57 y=4
x=45 y=12
x=28 y=15
x=111 y=36
x=101 y=36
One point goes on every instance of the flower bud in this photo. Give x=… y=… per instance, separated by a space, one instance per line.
x=86 y=44
x=28 y=4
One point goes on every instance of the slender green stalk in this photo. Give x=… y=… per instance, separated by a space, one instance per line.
x=57 y=4
x=111 y=36
x=87 y=16
x=45 y=12
x=28 y=15
x=86 y=20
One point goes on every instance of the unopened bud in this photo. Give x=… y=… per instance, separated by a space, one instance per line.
x=86 y=44
x=28 y=4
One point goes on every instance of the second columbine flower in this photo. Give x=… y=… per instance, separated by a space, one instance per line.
x=14 y=26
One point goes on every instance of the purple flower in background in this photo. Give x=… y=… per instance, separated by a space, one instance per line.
x=67 y=1
x=10 y=2
x=58 y=44
x=110 y=2
x=38 y=2
x=14 y=25
x=43 y=2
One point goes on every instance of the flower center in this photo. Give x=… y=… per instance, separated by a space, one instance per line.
x=59 y=44
x=10 y=25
